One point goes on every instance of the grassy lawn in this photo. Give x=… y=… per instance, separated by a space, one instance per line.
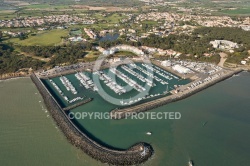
x=124 y=54
x=91 y=56
x=6 y=15
x=245 y=11
x=114 y=18
x=46 y=6
x=47 y=38
x=149 y=22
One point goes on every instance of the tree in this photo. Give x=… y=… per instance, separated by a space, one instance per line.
x=1 y=35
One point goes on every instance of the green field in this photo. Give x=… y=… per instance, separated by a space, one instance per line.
x=244 y=11
x=46 y=6
x=124 y=54
x=150 y=22
x=47 y=38
x=114 y=18
x=7 y=14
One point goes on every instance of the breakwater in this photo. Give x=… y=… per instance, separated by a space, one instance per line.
x=77 y=104
x=125 y=112
x=134 y=155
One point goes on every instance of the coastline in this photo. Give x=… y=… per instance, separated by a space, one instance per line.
x=136 y=154
x=7 y=76
x=13 y=78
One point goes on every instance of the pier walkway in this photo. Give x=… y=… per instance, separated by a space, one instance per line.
x=77 y=104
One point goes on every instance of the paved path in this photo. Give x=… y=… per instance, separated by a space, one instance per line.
x=223 y=58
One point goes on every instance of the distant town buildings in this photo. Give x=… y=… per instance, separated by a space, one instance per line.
x=45 y=20
x=203 y=20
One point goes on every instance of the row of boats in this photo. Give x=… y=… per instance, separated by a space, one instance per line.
x=162 y=74
x=150 y=74
x=62 y=94
x=75 y=99
x=128 y=80
x=130 y=101
x=139 y=76
x=68 y=85
x=110 y=83
x=160 y=70
x=58 y=89
x=86 y=81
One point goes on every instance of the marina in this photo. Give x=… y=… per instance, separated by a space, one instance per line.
x=131 y=79
x=121 y=82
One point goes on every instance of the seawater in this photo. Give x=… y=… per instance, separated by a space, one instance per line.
x=213 y=130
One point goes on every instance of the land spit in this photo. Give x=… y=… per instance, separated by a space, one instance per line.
x=125 y=112
x=135 y=155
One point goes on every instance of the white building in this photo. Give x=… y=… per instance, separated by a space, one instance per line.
x=224 y=44
x=181 y=69
x=76 y=39
x=166 y=63
x=243 y=62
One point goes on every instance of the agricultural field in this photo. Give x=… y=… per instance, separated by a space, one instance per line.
x=46 y=6
x=243 y=11
x=47 y=38
x=7 y=14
